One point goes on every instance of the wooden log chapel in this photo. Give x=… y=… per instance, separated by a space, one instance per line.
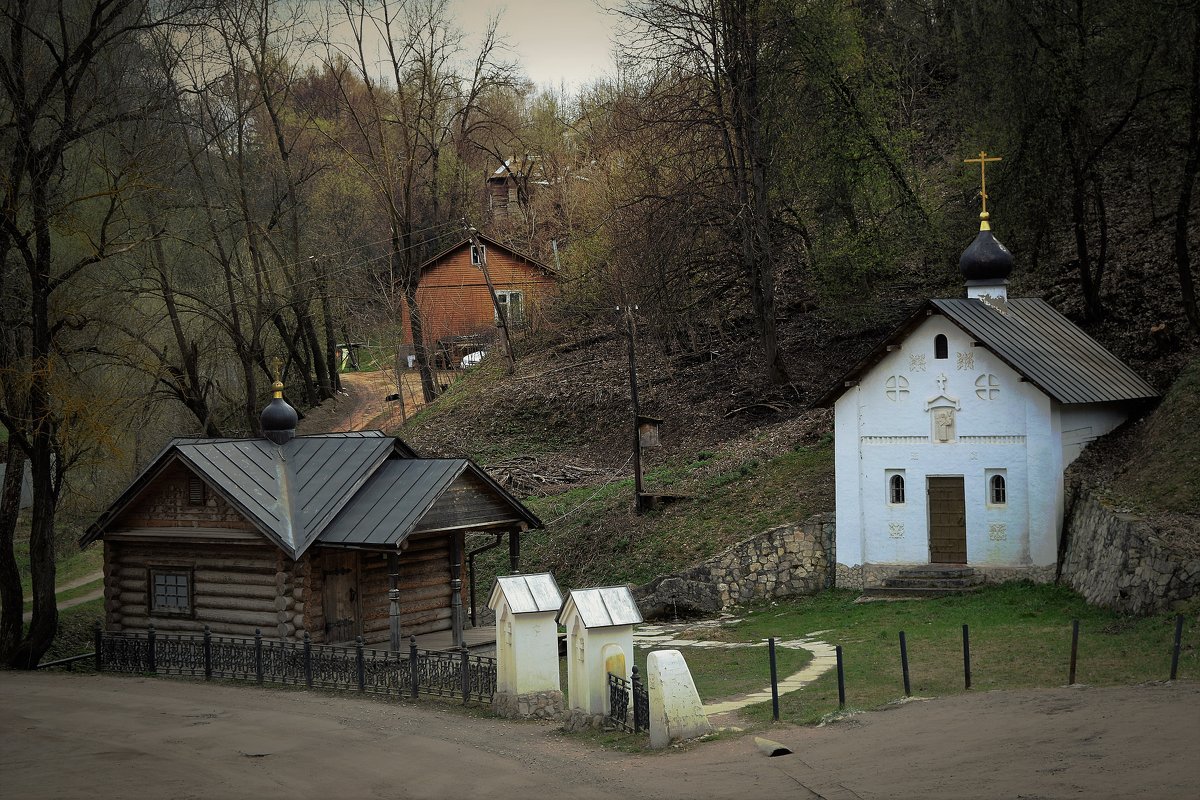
x=338 y=535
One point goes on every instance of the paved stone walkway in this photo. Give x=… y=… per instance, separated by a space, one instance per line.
x=673 y=634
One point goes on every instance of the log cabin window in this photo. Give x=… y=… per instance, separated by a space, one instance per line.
x=171 y=591
x=513 y=306
x=478 y=254
x=941 y=348
x=197 y=493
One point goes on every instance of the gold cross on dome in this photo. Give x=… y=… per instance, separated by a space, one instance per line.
x=277 y=386
x=983 y=161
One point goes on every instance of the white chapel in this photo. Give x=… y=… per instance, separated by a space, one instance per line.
x=952 y=434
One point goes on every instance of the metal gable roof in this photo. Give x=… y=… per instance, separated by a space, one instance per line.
x=1048 y=350
x=1041 y=345
x=602 y=608
x=334 y=488
x=527 y=594
x=290 y=490
x=392 y=502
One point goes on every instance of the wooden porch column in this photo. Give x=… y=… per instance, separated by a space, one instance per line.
x=394 y=637
x=456 y=585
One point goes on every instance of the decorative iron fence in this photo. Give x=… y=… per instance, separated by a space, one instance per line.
x=349 y=667
x=619 y=691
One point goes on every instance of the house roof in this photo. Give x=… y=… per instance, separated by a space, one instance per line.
x=602 y=608
x=1037 y=342
x=489 y=242
x=361 y=489
x=527 y=594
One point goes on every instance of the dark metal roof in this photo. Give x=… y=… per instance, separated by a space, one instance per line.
x=393 y=501
x=338 y=488
x=292 y=490
x=1040 y=344
x=1049 y=350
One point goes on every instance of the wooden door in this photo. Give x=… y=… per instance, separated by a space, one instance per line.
x=340 y=600
x=947 y=521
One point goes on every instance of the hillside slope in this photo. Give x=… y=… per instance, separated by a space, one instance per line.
x=558 y=433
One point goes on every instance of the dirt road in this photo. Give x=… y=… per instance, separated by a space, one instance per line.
x=105 y=736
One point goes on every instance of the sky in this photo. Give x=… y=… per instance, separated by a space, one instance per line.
x=554 y=41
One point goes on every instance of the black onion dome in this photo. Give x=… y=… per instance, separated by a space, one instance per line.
x=986 y=259
x=279 y=420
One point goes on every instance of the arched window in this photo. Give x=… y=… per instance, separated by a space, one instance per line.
x=896 y=489
x=941 y=349
x=998 y=492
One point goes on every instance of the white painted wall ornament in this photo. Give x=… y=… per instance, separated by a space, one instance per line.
x=965 y=360
x=896 y=387
x=987 y=387
x=896 y=530
x=916 y=362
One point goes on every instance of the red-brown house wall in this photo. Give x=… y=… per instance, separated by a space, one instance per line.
x=454 y=298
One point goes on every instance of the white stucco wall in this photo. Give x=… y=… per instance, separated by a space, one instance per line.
x=526 y=651
x=1002 y=424
x=587 y=676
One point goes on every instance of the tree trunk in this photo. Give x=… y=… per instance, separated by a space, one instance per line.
x=11 y=595
x=1191 y=163
x=43 y=464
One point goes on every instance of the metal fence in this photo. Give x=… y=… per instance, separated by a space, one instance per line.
x=619 y=691
x=351 y=667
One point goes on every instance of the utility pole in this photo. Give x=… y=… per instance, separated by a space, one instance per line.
x=501 y=313
x=631 y=332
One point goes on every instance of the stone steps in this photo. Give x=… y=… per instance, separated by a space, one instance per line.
x=928 y=580
x=904 y=592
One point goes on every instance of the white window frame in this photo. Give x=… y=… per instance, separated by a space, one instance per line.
x=890 y=476
x=505 y=296
x=476 y=261
x=990 y=495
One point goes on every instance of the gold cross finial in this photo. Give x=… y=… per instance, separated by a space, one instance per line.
x=983 y=161
x=277 y=386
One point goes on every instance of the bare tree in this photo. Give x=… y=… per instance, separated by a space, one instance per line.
x=721 y=52
x=69 y=80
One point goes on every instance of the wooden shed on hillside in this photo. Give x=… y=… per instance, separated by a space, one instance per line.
x=456 y=306
x=291 y=534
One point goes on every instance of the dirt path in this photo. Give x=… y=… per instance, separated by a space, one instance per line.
x=107 y=736
x=81 y=599
x=364 y=404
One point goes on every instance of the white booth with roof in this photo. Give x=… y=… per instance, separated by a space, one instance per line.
x=527 y=676
x=599 y=624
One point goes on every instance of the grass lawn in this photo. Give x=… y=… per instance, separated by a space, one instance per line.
x=1020 y=638
x=721 y=673
x=72 y=565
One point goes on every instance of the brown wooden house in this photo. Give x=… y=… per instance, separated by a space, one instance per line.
x=291 y=534
x=456 y=307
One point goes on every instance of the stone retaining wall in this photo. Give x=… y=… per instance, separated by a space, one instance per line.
x=783 y=561
x=869 y=576
x=1118 y=560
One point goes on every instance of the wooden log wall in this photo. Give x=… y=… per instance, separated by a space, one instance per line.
x=236 y=588
x=166 y=504
x=424 y=590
